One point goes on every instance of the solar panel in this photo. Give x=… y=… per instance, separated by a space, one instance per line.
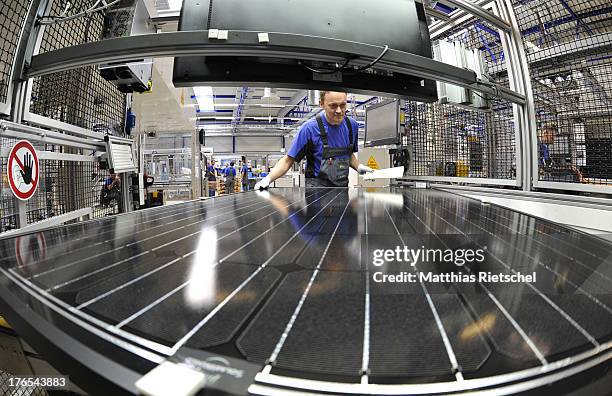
x=265 y=292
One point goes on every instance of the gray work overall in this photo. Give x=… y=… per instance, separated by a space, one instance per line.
x=334 y=171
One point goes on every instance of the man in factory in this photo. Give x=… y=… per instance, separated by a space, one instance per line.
x=328 y=142
x=244 y=173
x=230 y=177
x=211 y=176
x=111 y=189
x=546 y=137
x=548 y=169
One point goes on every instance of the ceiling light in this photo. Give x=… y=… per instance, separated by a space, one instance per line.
x=204 y=97
x=270 y=93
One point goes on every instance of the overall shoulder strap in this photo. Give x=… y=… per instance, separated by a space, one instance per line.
x=350 y=129
x=322 y=130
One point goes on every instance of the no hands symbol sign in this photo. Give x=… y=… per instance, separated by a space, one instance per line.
x=23 y=169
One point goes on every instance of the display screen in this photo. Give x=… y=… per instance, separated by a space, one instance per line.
x=382 y=123
x=399 y=25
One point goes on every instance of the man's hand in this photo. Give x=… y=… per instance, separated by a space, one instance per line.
x=263 y=183
x=362 y=169
x=28 y=165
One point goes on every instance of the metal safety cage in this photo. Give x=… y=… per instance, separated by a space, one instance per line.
x=478 y=142
x=80 y=102
x=241 y=43
x=13 y=16
x=568 y=45
x=70 y=182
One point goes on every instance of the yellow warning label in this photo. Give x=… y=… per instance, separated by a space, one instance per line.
x=150 y=89
x=372 y=162
x=3 y=323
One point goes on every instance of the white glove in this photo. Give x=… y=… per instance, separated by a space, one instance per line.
x=362 y=169
x=263 y=183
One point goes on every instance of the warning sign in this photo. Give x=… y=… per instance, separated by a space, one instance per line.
x=372 y=162
x=22 y=170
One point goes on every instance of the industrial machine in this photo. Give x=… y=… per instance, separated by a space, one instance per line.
x=394 y=26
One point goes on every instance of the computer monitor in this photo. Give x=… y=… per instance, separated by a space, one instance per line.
x=382 y=123
x=400 y=25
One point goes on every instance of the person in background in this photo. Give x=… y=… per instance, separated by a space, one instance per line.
x=230 y=177
x=327 y=142
x=546 y=137
x=548 y=169
x=244 y=172
x=111 y=189
x=211 y=176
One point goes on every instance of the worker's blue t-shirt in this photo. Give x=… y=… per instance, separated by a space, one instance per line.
x=544 y=154
x=230 y=171
x=244 y=170
x=307 y=143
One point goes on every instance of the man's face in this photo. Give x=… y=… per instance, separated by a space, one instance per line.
x=334 y=105
x=547 y=136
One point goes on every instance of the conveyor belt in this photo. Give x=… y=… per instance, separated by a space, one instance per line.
x=277 y=283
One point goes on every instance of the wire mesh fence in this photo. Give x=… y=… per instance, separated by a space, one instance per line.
x=79 y=97
x=8 y=209
x=64 y=187
x=472 y=138
x=12 y=18
x=569 y=51
x=455 y=141
x=67 y=186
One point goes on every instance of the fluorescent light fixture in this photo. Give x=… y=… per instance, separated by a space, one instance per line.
x=175 y=5
x=204 y=97
x=265 y=105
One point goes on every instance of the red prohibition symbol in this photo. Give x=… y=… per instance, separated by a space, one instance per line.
x=23 y=169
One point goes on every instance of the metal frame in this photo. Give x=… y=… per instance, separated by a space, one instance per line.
x=469 y=180
x=6 y=107
x=519 y=83
x=501 y=384
x=536 y=196
x=11 y=129
x=54 y=156
x=480 y=12
x=244 y=43
x=457 y=17
x=32 y=52
x=47 y=223
x=533 y=148
x=519 y=77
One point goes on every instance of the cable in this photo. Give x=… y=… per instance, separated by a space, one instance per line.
x=375 y=61
x=51 y=20
x=332 y=71
x=345 y=67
